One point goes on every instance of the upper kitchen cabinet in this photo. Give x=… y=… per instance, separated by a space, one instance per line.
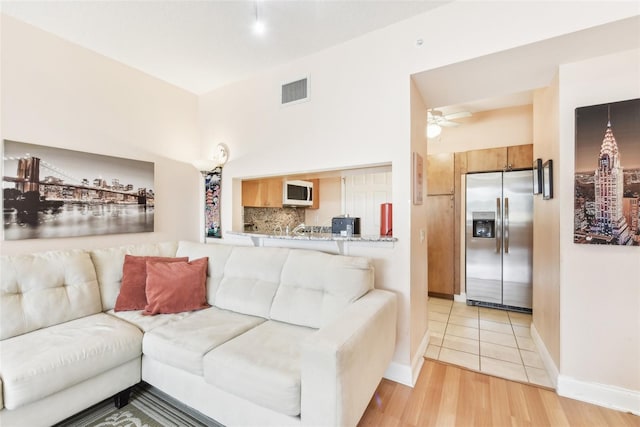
x=316 y=194
x=440 y=174
x=520 y=156
x=498 y=159
x=489 y=159
x=262 y=193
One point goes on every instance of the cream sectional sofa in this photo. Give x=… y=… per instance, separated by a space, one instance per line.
x=292 y=337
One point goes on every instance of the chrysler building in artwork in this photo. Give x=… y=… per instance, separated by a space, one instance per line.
x=610 y=220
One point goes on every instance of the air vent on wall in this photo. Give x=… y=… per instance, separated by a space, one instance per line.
x=295 y=91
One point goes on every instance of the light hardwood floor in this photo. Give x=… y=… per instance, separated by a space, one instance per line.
x=447 y=395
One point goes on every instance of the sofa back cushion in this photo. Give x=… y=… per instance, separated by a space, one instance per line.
x=217 y=254
x=109 y=261
x=316 y=286
x=251 y=278
x=45 y=289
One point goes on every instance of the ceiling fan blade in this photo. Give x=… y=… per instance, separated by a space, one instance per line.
x=448 y=124
x=459 y=115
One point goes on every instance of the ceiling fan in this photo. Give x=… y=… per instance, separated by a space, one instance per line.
x=436 y=120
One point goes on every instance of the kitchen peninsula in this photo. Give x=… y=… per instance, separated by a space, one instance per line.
x=327 y=242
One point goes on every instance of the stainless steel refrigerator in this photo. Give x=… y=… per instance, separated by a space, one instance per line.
x=499 y=239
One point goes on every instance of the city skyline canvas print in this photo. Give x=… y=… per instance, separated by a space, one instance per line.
x=607 y=174
x=52 y=192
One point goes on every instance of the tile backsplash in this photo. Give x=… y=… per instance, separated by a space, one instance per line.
x=267 y=220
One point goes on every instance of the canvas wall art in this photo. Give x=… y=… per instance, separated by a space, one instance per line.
x=607 y=174
x=51 y=192
x=212 y=203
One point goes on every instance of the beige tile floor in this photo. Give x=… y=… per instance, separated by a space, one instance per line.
x=495 y=342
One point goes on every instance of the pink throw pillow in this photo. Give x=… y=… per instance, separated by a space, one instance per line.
x=132 y=294
x=176 y=287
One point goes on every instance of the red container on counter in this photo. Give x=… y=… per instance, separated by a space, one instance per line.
x=386 y=219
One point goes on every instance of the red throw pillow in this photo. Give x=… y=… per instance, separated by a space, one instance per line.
x=132 y=294
x=176 y=287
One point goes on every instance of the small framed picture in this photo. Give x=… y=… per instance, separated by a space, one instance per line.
x=547 y=180
x=537 y=176
x=418 y=178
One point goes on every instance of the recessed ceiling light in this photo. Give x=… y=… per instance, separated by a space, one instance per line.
x=258 y=27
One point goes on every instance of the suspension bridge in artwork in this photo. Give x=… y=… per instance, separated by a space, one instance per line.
x=61 y=185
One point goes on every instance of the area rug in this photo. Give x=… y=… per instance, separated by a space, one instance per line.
x=148 y=407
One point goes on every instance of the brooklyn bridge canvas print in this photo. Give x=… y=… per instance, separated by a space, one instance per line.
x=51 y=192
x=607 y=174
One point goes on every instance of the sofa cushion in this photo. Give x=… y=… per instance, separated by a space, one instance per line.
x=48 y=360
x=108 y=265
x=148 y=323
x=45 y=289
x=217 y=254
x=251 y=278
x=262 y=365
x=174 y=287
x=132 y=295
x=183 y=344
x=316 y=286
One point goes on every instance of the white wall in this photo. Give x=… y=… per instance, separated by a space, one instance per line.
x=487 y=129
x=330 y=203
x=58 y=94
x=600 y=286
x=546 y=234
x=419 y=278
x=359 y=112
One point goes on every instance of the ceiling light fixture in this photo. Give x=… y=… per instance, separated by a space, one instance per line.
x=258 y=26
x=433 y=130
x=220 y=157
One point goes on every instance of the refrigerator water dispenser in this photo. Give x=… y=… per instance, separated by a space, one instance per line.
x=484 y=225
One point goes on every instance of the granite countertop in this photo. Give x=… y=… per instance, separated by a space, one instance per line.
x=317 y=236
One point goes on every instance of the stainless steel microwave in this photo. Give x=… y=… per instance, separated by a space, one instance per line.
x=297 y=193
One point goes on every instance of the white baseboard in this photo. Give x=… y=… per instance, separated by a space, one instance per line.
x=405 y=374
x=549 y=364
x=462 y=297
x=399 y=373
x=418 y=358
x=605 y=395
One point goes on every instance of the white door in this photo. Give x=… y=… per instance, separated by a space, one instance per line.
x=363 y=195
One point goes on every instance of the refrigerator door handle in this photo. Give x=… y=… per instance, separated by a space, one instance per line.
x=498 y=225
x=506 y=225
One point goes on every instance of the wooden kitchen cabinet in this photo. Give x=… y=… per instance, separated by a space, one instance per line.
x=520 y=156
x=262 y=193
x=440 y=174
x=458 y=218
x=487 y=160
x=316 y=194
x=440 y=245
x=499 y=159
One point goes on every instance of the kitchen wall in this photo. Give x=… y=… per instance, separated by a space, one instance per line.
x=599 y=285
x=59 y=94
x=330 y=203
